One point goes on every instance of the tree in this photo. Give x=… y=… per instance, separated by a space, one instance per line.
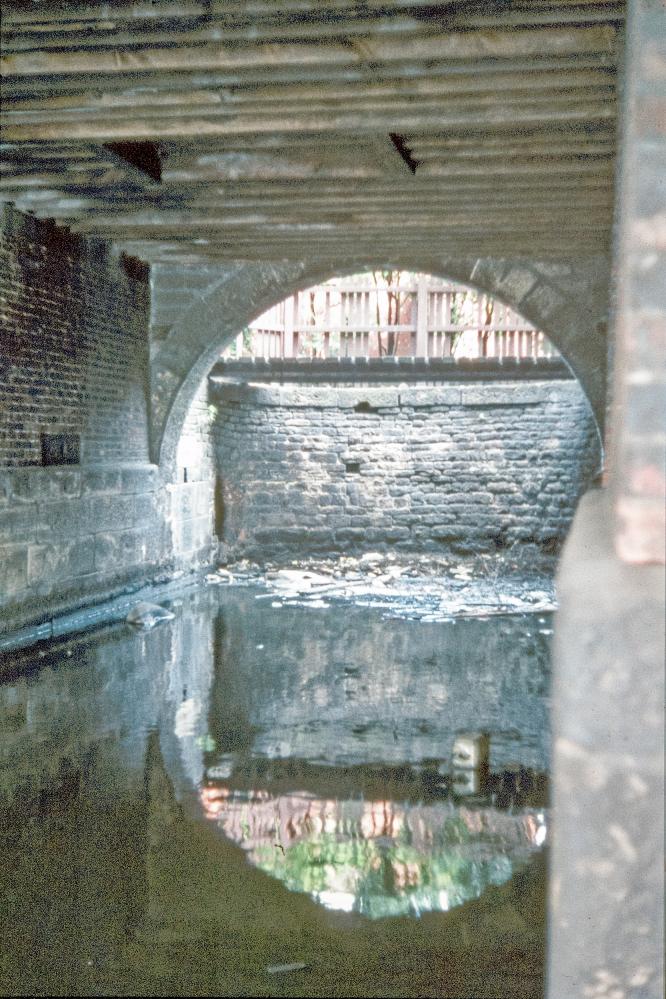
x=395 y=308
x=484 y=334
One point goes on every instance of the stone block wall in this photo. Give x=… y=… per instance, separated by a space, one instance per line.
x=463 y=468
x=308 y=469
x=70 y=535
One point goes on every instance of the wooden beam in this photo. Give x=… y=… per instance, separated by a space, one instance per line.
x=344 y=121
x=294 y=75
x=521 y=103
x=274 y=123
x=480 y=88
x=497 y=44
x=119 y=31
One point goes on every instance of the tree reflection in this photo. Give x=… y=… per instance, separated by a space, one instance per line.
x=377 y=858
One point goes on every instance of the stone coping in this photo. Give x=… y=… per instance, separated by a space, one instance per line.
x=382 y=369
x=373 y=397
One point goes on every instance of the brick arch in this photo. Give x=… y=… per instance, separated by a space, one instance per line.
x=568 y=301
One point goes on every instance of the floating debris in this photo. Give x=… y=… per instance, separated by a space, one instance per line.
x=145 y=615
x=423 y=588
x=280 y=969
x=471 y=751
x=220 y=576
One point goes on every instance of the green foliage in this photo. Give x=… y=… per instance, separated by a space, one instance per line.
x=386 y=878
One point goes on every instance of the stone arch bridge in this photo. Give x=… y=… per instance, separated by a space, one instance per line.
x=173 y=169
x=568 y=301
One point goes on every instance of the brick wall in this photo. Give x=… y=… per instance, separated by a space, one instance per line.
x=638 y=467
x=73 y=344
x=449 y=468
x=74 y=358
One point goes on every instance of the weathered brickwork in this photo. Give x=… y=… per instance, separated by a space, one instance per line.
x=639 y=452
x=74 y=358
x=68 y=534
x=73 y=344
x=73 y=536
x=456 y=468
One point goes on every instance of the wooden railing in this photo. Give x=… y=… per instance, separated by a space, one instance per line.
x=418 y=317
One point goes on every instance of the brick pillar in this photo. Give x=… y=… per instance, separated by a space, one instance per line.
x=607 y=889
x=638 y=441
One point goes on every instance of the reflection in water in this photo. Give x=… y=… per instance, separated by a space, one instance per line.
x=378 y=858
x=344 y=687
x=140 y=772
x=310 y=709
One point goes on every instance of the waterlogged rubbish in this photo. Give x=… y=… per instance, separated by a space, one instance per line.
x=297 y=579
x=145 y=615
x=466 y=783
x=414 y=589
x=280 y=969
x=220 y=576
x=430 y=589
x=471 y=751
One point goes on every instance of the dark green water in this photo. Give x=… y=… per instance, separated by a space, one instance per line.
x=247 y=786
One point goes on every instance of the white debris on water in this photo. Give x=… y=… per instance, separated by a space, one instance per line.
x=220 y=575
x=420 y=587
x=280 y=969
x=145 y=615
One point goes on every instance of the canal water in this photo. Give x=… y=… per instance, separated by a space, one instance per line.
x=257 y=798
